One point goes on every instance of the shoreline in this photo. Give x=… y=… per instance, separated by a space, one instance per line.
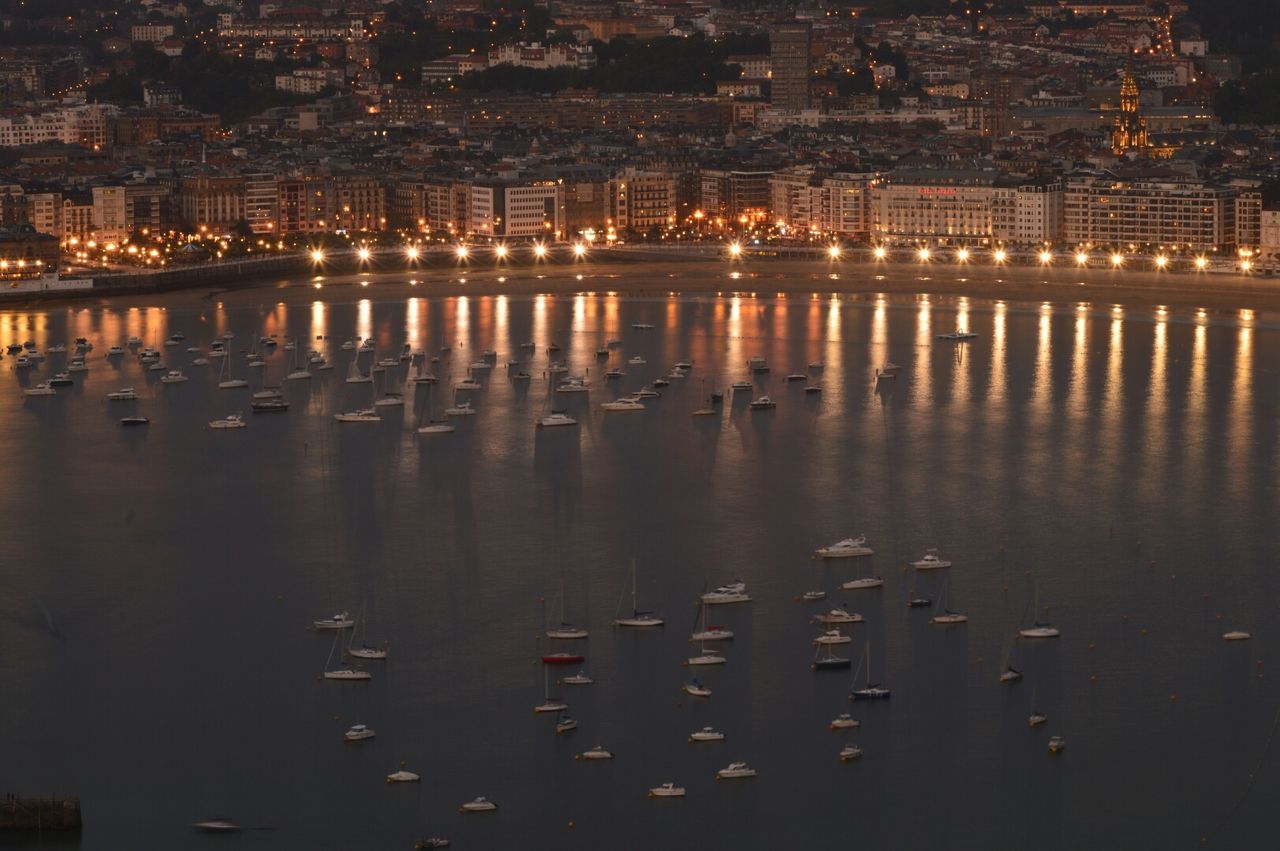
x=760 y=277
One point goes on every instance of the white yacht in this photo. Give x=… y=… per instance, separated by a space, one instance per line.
x=342 y=620
x=300 y=374
x=930 y=561
x=637 y=361
x=436 y=428
x=949 y=618
x=233 y=383
x=844 y=721
x=479 y=805
x=556 y=418
x=838 y=615
x=813 y=596
x=347 y=674
x=1236 y=635
x=763 y=403
x=173 y=376
x=864 y=582
x=667 y=790
x=573 y=385
x=579 y=679
x=850 y=752
x=364 y=415
x=642 y=326
x=77 y=366
x=267 y=393
x=848 y=548
x=462 y=409
x=742 y=386
x=390 y=400
x=1040 y=631
x=833 y=636
x=646 y=393
x=706 y=734
x=358 y=733
x=596 y=752
x=735 y=592
x=56 y=349
x=200 y=362
x=124 y=394
x=957 y=335
x=44 y=388
x=625 y=404
x=468 y=384
x=115 y=351
x=403 y=776
x=735 y=771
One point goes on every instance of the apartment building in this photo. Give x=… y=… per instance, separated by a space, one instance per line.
x=1169 y=211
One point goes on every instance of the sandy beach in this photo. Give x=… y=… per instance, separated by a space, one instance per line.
x=1178 y=293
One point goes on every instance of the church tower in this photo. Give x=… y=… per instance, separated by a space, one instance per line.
x=1130 y=130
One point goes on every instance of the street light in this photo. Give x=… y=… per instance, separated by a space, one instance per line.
x=539 y=250
x=1046 y=257
x=462 y=252
x=579 y=250
x=1117 y=260
x=834 y=252
x=363 y=253
x=1161 y=261
x=923 y=254
x=500 y=251
x=999 y=255
x=412 y=252
x=1082 y=258
x=1201 y=263
x=962 y=255
x=880 y=252
x=317 y=256
x=735 y=249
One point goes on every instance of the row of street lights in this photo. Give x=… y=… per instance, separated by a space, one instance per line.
x=462 y=252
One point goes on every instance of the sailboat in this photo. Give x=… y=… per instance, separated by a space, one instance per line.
x=365 y=650
x=825 y=658
x=708 y=632
x=298 y=373
x=228 y=382
x=354 y=375
x=948 y=617
x=870 y=691
x=566 y=631
x=637 y=617
x=1040 y=630
x=433 y=426
x=706 y=410
x=363 y=415
x=549 y=703
x=345 y=672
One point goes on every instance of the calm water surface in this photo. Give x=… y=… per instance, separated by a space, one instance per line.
x=158 y=583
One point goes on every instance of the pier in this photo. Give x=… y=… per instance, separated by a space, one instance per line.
x=52 y=813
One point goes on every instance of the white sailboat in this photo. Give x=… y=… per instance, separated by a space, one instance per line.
x=344 y=672
x=226 y=380
x=566 y=631
x=637 y=617
x=549 y=703
x=1039 y=630
x=948 y=617
x=708 y=632
x=299 y=372
x=365 y=650
x=870 y=690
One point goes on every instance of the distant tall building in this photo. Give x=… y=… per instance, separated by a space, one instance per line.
x=790 y=63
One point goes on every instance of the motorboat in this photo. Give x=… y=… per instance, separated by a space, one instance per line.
x=666 y=790
x=957 y=335
x=706 y=734
x=462 y=409
x=468 y=384
x=521 y=376
x=425 y=378
x=579 y=679
x=436 y=428
x=566 y=725
x=529 y=345
x=479 y=805
x=173 y=376
x=156 y=367
x=390 y=363
x=115 y=351
x=403 y=776
x=56 y=349
x=847 y=548
x=625 y=404
x=763 y=403
x=844 y=721
x=200 y=362
x=637 y=361
x=871 y=692
x=77 y=366
x=44 y=388
x=850 y=752
x=1040 y=630
x=642 y=326
x=358 y=733
x=1010 y=675
x=646 y=393
x=268 y=393
x=603 y=352
x=342 y=620
x=134 y=421
x=704 y=412
x=705 y=657
x=61 y=379
x=23 y=362
x=735 y=592
x=1057 y=744
x=232 y=383
x=833 y=636
x=299 y=375
x=813 y=388
x=661 y=382
x=124 y=394
x=949 y=618
x=684 y=365
x=1036 y=719
x=758 y=364
x=838 y=615
x=696 y=689
x=919 y=603
x=930 y=561
x=348 y=346
x=390 y=400
x=354 y=674
x=863 y=583
x=797 y=376
x=611 y=374
x=268 y=406
x=813 y=596
x=216 y=825
x=562 y=658
x=134 y=341
x=555 y=419
x=364 y=415
x=557 y=368
x=735 y=771
x=596 y=752
x=1236 y=635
